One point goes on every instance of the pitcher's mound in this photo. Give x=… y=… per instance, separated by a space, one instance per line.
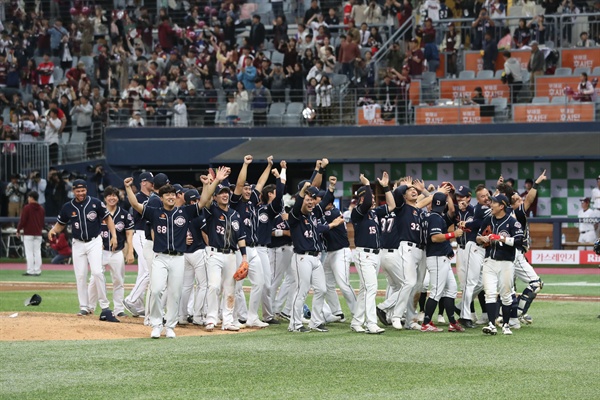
x=55 y=326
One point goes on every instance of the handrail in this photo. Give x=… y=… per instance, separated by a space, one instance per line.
x=382 y=52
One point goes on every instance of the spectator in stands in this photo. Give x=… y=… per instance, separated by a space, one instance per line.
x=261 y=100
x=290 y=54
x=210 y=103
x=332 y=20
x=415 y=59
x=308 y=61
x=586 y=90
x=312 y=12
x=490 y=51
x=232 y=111
x=364 y=35
x=506 y=42
x=348 y=5
x=372 y=13
x=522 y=34
x=136 y=120
x=277 y=8
x=512 y=75
x=29 y=75
x=585 y=41
x=74 y=74
x=316 y=71
x=395 y=57
x=480 y=27
x=280 y=29
x=431 y=54
x=538 y=30
x=532 y=211
x=365 y=71
x=166 y=35
x=349 y=54
x=257 y=33
x=387 y=97
x=323 y=101
x=536 y=64
x=358 y=12
x=248 y=74
x=451 y=44
x=569 y=8
x=45 y=70
x=82 y=116
x=403 y=82
x=58 y=36
x=476 y=97
x=241 y=97
x=278 y=83
x=295 y=80
x=38 y=184
x=180 y=115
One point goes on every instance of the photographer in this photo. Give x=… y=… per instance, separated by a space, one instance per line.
x=480 y=26
x=15 y=190
x=55 y=193
x=99 y=181
x=38 y=184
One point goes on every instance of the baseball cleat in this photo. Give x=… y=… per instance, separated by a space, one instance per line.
x=382 y=315
x=230 y=327
x=441 y=319
x=483 y=320
x=526 y=319
x=121 y=314
x=357 y=328
x=182 y=321
x=397 y=323
x=430 y=327
x=374 y=330
x=273 y=321
x=256 y=324
x=131 y=308
x=170 y=333
x=341 y=316
x=284 y=316
x=506 y=329
x=319 y=328
x=421 y=317
x=413 y=326
x=156 y=331
x=210 y=327
x=467 y=323
x=82 y=313
x=455 y=327
x=514 y=323
x=489 y=329
x=302 y=329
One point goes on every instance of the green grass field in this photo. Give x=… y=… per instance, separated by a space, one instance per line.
x=556 y=357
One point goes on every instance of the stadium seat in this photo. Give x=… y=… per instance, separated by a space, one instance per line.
x=275 y=115
x=559 y=100
x=338 y=80
x=525 y=75
x=565 y=71
x=58 y=75
x=596 y=71
x=485 y=74
x=89 y=64
x=221 y=118
x=500 y=109
x=466 y=75
x=498 y=74
x=277 y=57
x=540 y=100
x=429 y=85
x=577 y=71
x=246 y=118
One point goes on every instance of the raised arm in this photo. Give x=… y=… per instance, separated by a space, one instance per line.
x=208 y=187
x=531 y=195
x=239 y=185
x=135 y=204
x=265 y=175
x=317 y=177
x=389 y=197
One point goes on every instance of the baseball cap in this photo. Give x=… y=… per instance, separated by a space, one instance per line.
x=586 y=199
x=147 y=177
x=190 y=195
x=221 y=187
x=321 y=193
x=34 y=300
x=438 y=204
x=79 y=184
x=312 y=192
x=160 y=180
x=463 y=191
x=178 y=188
x=502 y=199
x=301 y=184
x=361 y=191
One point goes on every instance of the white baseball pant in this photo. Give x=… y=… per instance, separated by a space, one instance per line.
x=267 y=300
x=308 y=271
x=84 y=254
x=281 y=265
x=414 y=267
x=255 y=275
x=194 y=267
x=220 y=268
x=441 y=278
x=143 y=276
x=391 y=266
x=337 y=271
x=167 y=275
x=116 y=262
x=586 y=237
x=498 y=279
x=523 y=270
x=33 y=253
x=367 y=265
x=469 y=260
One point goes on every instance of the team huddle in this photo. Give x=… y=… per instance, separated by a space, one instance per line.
x=191 y=241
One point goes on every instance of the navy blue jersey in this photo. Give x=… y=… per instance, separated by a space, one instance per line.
x=505 y=226
x=195 y=227
x=366 y=222
x=480 y=213
x=248 y=214
x=140 y=223
x=278 y=241
x=306 y=229
x=467 y=216
x=153 y=201
x=123 y=222
x=85 y=217
x=224 y=228
x=434 y=224
x=408 y=221
x=520 y=215
x=390 y=235
x=169 y=226
x=267 y=214
x=336 y=238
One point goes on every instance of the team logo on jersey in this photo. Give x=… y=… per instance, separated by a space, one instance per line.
x=94 y=206
x=119 y=226
x=328 y=213
x=469 y=219
x=518 y=225
x=179 y=221
x=163 y=216
x=263 y=218
x=221 y=218
x=415 y=213
x=122 y=216
x=504 y=233
x=74 y=214
x=235 y=225
x=92 y=215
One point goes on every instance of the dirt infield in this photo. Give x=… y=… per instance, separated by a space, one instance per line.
x=26 y=326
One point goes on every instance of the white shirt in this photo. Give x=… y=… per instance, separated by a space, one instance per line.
x=180 y=117
x=596 y=198
x=52 y=130
x=586 y=219
x=39 y=187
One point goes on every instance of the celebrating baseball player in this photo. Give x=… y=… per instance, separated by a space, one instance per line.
x=502 y=234
x=85 y=215
x=365 y=219
x=280 y=255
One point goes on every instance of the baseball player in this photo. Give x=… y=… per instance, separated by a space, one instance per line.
x=306 y=264
x=194 y=267
x=271 y=205
x=169 y=227
x=502 y=234
x=245 y=200
x=225 y=236
x=280 y=256
x=439 y=252
x=365 y=219
x=588 y=220
x=85 y=215
x=115 y=259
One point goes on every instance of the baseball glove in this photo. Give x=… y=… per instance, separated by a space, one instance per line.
x=242 y=271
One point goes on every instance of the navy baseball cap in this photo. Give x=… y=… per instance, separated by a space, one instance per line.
x=224 y=185
x=190 y=195
x=463 y=191
x=79 y=184
x=438 y=204
x=178 y=188
x=160 y=180
x=312 y=192
x=147 y=177
x=321 y=193
x=361 y=191
x=301 y=184
x=502 y=199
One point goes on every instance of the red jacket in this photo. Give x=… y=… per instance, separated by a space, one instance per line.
x=166 y=36
x=32 y=220
x=61 y=245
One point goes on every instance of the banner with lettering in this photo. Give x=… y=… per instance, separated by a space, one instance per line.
x=563 y=257
x=572 y=112
x=371 y=115
x=442 y=115
x=553 y=86
x=455 y=88
x=582 y=57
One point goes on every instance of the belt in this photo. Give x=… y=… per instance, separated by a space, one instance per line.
x=250 y=245
x=86 y=241
x=584 y=231
x=172 y=253
x=309 y=253
x=367 y=250
x=389 y=250
x=224 y=251
x=418 y=246
x=462 y=246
